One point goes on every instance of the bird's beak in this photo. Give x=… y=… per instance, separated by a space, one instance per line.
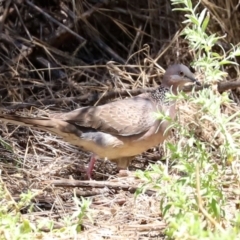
x=194 y=80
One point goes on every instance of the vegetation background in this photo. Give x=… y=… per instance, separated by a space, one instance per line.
x=60 y=55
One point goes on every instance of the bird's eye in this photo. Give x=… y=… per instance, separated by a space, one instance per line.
x=181 y=74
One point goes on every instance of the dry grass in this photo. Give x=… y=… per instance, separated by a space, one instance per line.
x=60 y=73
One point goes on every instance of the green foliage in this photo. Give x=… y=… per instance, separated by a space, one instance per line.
x=6 y=145
x=202 y=43
x=82 y=212
x=192 y=210
x=13 y=225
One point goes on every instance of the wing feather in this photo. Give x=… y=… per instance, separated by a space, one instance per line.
x=124 y=117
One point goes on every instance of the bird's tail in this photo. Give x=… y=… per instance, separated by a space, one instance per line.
x=56 y=126
x=26 y=121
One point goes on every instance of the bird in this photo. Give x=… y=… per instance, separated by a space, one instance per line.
x=118 y=130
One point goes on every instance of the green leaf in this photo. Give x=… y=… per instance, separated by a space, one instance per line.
x=205 y=22
x=25 y=227
x=225 y=61
x=189 y=4
x=237 y=52
x=166 y=208
x=5 y=145
x=180 y=9
x=201 y=17
x=193 y=19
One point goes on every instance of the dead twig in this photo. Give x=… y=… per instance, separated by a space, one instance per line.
x=94 y=184
x=222 y=86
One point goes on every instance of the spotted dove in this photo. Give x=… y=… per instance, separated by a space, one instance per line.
x=118 y=130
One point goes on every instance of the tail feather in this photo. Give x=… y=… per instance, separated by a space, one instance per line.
x=27 y=121
x=56 y=126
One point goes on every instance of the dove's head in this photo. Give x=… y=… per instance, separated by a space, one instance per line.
x=176 y=76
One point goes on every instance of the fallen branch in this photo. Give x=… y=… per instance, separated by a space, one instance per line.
x=95 y=184
x=222 y=86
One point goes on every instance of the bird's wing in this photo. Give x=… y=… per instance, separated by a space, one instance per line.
x=124 y=117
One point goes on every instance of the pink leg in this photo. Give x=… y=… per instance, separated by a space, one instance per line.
x=91 y=165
